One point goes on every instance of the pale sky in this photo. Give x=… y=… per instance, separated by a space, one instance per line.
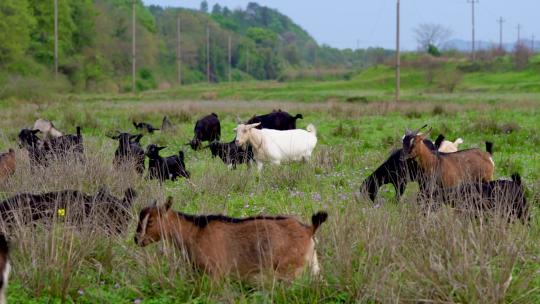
x=344 y=23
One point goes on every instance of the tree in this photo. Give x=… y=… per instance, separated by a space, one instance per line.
x=204 y=6
x=431 y=34
x=216 y=9
x=16 y=22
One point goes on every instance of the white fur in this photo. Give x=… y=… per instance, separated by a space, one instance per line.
x=276 y=146
x=450 y=147
x=5 y=277
x=47 y=128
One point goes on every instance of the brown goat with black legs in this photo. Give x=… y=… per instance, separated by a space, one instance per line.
x=449 y=169
x=221 y=245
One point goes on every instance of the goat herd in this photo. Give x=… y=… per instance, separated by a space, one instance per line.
x=222 y=245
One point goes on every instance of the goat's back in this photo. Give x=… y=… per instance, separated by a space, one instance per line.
x=247 y=246
x=470 y=165
x=289 y=144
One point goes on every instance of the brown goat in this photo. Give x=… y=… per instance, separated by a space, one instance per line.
x=221 y=245
x=8 y=164
x=449 y=169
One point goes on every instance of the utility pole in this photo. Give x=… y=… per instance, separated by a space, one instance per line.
x=230 y=59
x=133 y=49
x=532 y=43
x=519 y=33
x=398 y=59
x=473 y=51
x=501 y=21
x=207 y=53
x=55 y=39
x=178 y=49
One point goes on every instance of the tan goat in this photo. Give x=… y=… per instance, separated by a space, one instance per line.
x=221 y=245
x=452 y=169
x=8 y=163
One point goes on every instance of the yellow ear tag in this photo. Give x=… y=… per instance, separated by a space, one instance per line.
x=61 y=212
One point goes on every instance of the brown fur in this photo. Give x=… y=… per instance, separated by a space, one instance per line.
x=452 y=169
x=8 y=163
x=244 y=247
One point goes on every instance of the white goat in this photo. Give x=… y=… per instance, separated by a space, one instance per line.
x=276 y=146
x=450 y=147
x=47 y=128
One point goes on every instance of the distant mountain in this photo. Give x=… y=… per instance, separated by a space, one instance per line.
x=466 y=45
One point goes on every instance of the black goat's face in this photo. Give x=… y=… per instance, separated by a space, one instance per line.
x=152 y=151
x=28 y=138
x=195 y=144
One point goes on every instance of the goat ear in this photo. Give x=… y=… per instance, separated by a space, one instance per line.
x=168 y=203
x=35 y=131
x=154 y=204
x=161 y=148
x=253 y=125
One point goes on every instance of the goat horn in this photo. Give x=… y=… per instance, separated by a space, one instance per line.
x=424 y=126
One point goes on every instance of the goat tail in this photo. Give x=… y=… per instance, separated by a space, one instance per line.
x=317 y=219
x=458 y=141
x=489 y=147
x=311 y=129
x=4 y=246
x=299 y=116
x=79 y=131
x=516 y=178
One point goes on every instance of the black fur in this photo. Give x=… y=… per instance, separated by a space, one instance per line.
x=396 y=170
x=143 y=126
x=40 y=150
x=318 y=218
x=208 y=129
x=4 y=258
x=129 y=151
x=164 y=168
x=277 y=120
x=230 y=153
x=506 y=196
x=34 y=207
x=202 y=221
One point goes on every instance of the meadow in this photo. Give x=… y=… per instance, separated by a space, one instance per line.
x=383 y=252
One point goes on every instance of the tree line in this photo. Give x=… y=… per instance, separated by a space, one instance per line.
x=95 y=45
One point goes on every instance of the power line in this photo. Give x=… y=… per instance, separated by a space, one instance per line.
x=473 y=54
x=398 y=59
x=133 y=49
x=501 y=21
x=230 y=58
x=207 y=52
x=179 y=49
x=55 y=39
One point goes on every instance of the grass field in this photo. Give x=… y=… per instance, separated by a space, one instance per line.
x=380 y=253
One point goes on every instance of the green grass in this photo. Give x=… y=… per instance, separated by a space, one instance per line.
x=368 y=254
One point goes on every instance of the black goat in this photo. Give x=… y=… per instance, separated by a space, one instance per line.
x=129 y=151
x=396 y=170
x=231 y=154
x=277 y=120
x=103 y=207
x=34 y=145
x=208 y=129
x=40 y=150
x=507 y=197
x=163 y=168
x=143 y=126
